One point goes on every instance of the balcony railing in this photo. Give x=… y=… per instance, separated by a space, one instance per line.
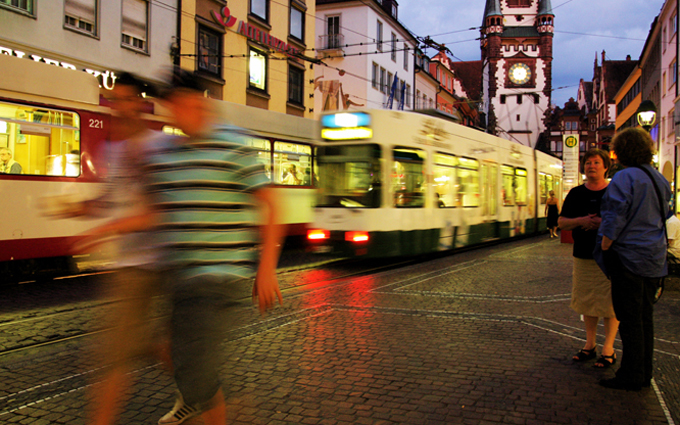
x=332 y=42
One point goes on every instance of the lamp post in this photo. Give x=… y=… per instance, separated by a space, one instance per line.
x=646 y=114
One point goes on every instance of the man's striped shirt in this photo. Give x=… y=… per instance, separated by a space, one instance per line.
x=202 y=190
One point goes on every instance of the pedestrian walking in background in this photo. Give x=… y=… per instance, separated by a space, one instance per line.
x=634 y=210
x=591 y=290
x=552 y=211
x=206 y=191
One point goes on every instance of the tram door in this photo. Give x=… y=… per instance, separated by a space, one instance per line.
x=489 y=195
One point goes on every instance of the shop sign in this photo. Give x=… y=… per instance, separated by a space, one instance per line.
x=226 y=20
x=106 y=78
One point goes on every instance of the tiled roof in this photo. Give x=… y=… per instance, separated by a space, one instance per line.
x=545 y=8
x=470 y=75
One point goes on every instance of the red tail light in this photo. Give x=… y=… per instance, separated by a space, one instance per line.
x=318 y=234
x=356 y=236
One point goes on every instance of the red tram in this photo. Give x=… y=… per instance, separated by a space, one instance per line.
x=53 y=122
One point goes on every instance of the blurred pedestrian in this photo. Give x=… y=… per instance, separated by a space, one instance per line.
x=634 y=210
x=206 y=188
x=125 y=202
x=552 y=211
x=591 y=290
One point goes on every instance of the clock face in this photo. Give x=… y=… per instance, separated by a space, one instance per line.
x=520 y=73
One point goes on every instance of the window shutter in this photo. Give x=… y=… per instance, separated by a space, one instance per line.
x=82 y=9
x=134 y=18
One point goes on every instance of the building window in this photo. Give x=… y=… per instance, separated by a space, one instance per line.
x=81 y=15
x=383 y=81
x=388 y=84
x=257 y=70
x=674 y=24
x=297 y=24
x=502 y=99
x=23 y=5
x=209 y=51
x=394 y=47
x=375 y=76
x=671 y=122
x=135 y=18
x=260 y=8
x=519 y=99
x=296 y=89
x=406 y=56
x=673 y=73
x=333 y=31
x=407 y=96
x=379 y=38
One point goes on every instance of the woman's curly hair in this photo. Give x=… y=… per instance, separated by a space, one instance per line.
x=633 y=147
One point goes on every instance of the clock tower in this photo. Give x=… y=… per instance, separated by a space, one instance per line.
x=516 y=42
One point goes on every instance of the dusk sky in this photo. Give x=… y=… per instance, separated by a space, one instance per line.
x=583 y=28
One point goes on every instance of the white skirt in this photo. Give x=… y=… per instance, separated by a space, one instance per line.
x=591 y=293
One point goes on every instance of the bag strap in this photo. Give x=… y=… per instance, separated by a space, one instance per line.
x=658 y=196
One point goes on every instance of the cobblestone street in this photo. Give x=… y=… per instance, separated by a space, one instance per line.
x=480 y=337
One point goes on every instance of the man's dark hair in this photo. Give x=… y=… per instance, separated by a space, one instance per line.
x=633 y=146
x=595 y=152
x=127 y=79
x=184 y=80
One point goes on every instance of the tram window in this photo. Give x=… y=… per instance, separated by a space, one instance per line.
x=349 y=176
x=468 y=182
x=543 y=187
x=408 y=178
x=549 y=183
x=44 y=142
x=521 y=186
x=557 y=182
x=508 y=190
x=445 y=179
x=292 y=164
x=264 y=157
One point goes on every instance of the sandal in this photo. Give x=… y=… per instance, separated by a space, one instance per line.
x=605 y=361
x=584 y=355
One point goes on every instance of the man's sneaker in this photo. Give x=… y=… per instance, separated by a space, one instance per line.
x=180 y=413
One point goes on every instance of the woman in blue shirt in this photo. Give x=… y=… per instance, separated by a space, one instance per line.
x=634 y=244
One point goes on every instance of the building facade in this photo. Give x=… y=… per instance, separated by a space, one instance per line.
x=95 y=36
x=367 y=56
x=516 y=42
x=251 y=52
x=426 y=85
x=668 y=26
x=627 y=101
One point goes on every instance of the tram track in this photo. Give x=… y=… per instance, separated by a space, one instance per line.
x=48 y=341
x=363 y=268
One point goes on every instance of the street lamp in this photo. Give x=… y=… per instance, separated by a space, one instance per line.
x=646 y=114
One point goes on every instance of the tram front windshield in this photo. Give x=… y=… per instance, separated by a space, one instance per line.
x=349 y=176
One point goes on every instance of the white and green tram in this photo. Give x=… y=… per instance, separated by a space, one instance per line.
x=394 y=183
